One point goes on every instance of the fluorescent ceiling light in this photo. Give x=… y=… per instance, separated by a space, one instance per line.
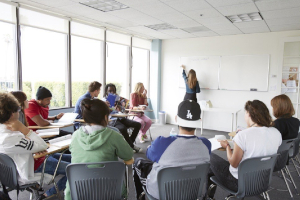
x=163 y=26
x=245 y=17
x=196 y=29
x=104 y=5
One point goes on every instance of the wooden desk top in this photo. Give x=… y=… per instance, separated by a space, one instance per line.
x=79 y=120
x=232 y=134
x=45 y=127
x=131 y=110
x=122 y=115
x=51 y=150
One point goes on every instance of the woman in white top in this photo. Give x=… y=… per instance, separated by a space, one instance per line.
x=259 y=139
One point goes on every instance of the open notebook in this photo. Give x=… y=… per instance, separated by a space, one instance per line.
x=48 y=132
x=66 y=119
x=61 y=141
x=216 y=145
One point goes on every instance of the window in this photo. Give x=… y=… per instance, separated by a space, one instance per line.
x=44 y=61
x=117 y=70
x=8 y=69
x=87 y=61
x=140 y=70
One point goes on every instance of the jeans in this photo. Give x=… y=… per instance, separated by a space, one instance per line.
x=220 y=168
x=51 y=164
x=123 y=124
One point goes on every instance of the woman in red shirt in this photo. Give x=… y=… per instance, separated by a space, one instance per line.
x=138 y=98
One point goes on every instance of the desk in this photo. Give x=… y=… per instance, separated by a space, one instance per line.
x=51 y=150
x=121 y=115
x=45 y=127
x=233 y=113
x=131 y=110
x=232 y=134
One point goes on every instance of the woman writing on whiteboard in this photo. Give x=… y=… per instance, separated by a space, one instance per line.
x=191 y=84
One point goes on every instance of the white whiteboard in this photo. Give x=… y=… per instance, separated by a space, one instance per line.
x=206 y=68
x=247 y=72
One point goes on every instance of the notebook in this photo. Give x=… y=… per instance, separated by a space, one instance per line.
x=66 y=119
x=61 y=141
x=48 y=132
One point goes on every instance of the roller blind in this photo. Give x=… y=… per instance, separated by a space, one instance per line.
x=117 y=38
x=141 y=43
x=84 y=30
x=7 y=13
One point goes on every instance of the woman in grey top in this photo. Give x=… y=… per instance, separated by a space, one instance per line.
x=22 y=99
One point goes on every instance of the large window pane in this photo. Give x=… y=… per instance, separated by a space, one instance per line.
x=8 y=72
x=140 y=71
x=117 y=70
x=87 y=59
x=44 y=57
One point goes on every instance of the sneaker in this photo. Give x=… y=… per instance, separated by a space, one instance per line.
x=142 y=139
x=137 y=149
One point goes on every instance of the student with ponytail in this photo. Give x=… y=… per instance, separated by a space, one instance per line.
x=191 y=84
x=22 y=99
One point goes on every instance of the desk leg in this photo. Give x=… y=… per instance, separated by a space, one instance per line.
x=232 y=119
x=202 y=114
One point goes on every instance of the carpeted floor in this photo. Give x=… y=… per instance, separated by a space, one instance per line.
x=278 y=187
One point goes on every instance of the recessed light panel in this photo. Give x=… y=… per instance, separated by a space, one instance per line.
x=163 y=26
x=104 y=5
x=245 y=17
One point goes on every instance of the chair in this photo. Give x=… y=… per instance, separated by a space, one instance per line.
x=254 y=177
x=101 y=180
x=282 y=158
x=185 y=182
x=9 y=177
x=294 y=150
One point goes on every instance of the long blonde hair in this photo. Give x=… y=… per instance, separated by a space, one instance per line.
x=192 y=79
x=138 y=87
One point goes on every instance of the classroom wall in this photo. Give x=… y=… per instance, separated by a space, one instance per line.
x=248 y=44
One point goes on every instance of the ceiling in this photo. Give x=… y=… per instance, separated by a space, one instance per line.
x=192 y=18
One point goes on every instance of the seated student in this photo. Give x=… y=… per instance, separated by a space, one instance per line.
x=259 y=139
x=95 y=142
x=137 y=98
x=180 y=150
x=37 y=113
x=123 y=123
x=22 y=99
x=20 y=143
x=285 y=123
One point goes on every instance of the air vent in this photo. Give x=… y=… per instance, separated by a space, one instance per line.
x=104 y=5
x=196 y=29
x=245 y=17
x=164 y=26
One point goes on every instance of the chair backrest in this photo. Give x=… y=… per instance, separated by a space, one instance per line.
x=9 y=173
x=185 y=182
x=101 y=180
x=255 y=175
x=283 y=154
x=295 y=148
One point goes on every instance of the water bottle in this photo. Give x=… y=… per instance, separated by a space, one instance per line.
x=173 y=132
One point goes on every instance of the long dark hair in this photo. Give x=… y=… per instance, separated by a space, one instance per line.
x=94 y=111
x=259 y=113
x=21 y=97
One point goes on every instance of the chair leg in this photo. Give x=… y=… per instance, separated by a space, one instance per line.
x=287 y=185
x=297 y=159
x=266 y=196
x=288 y=172
x=295 y=167
x=150 y=135
x=57 y=191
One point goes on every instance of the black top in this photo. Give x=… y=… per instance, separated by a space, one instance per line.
x=288 y=127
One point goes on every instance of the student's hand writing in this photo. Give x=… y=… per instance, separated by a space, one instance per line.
x=223 y=143
x=59 y=115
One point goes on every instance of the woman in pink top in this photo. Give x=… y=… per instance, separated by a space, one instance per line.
x=137 y=98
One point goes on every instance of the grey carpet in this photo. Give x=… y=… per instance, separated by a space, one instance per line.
x=278 y=187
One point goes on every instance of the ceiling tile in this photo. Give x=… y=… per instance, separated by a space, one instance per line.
x=220 y=3
x=187 y=5
x=154 y=8
x=171 y=17
x=63 y=12
x=286 y=27
x=205 y=34
x=283 y=21
x=177 y=33
x=53 y=3
x=206 y=13
x=185 y=24
x=259 y=29
x=267 y=5
x=214 y=20
x=250 y=24
x=229 y=32
x=274 y=14
x=237 y=9
x=80 y=9
x=34 y=4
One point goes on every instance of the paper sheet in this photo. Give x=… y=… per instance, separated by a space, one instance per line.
x=46 y=132
x=61 y=141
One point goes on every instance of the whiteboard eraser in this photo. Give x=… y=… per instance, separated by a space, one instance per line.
x=253 y=89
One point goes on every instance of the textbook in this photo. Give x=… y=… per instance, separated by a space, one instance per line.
x=66 y=119
x=61 y=141
x=48 y=132
x=111 y=98
x=215 y=144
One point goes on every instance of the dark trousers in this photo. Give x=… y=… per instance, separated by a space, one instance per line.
x=220 y=168
x=190 y=96
x=140 y=170
x=123 y=124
